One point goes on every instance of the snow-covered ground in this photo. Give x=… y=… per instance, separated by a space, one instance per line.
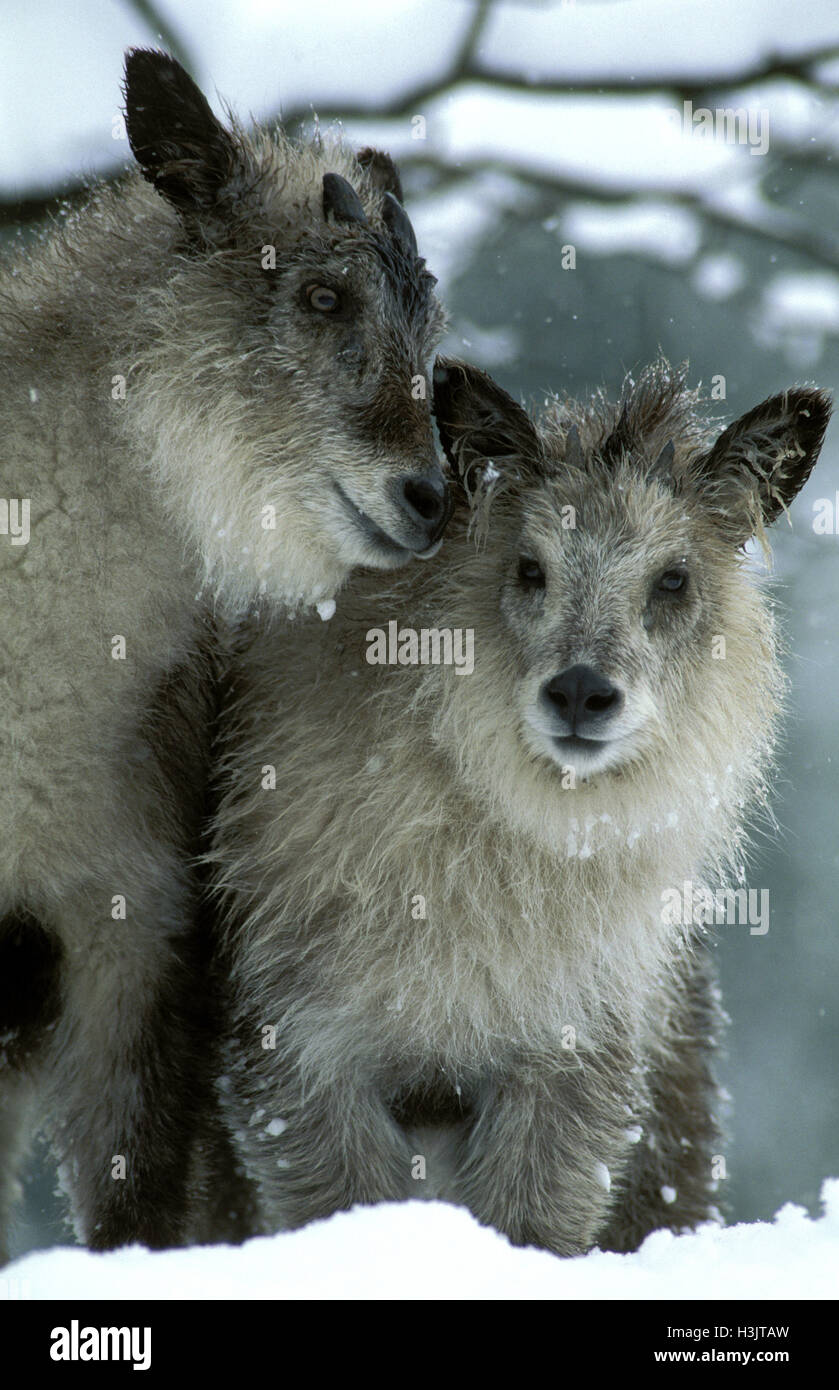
x=427 y=1250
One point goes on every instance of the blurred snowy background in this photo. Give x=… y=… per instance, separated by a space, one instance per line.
x=523 y=128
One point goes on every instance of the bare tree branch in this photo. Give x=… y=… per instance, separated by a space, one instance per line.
x=771 y=223
x=466 y=70
x=171 y=40
x=775 y=66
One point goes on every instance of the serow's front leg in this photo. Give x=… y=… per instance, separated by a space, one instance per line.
x=676 y=1165
x=541 y=1157
x=130 y=1084
x=311 y=1152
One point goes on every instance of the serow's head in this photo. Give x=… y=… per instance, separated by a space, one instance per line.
x=621 y=627
x=288 y=376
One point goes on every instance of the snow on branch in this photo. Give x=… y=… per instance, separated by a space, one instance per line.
x=747 y=204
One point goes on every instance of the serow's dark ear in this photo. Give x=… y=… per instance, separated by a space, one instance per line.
x=480 y=424
x=382 y=172
x=178 y=143
x=760 y=463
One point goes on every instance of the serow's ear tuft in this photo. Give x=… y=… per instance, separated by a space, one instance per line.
x=760 y=463
x=382 y=172
x=178 y=143
x=480 y=424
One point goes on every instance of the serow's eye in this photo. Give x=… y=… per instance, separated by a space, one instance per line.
x=672 y=582
x=531 y=574
x=322 y=299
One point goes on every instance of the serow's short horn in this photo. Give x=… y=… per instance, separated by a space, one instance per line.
x=664 y=462
x=574 y=456
x=399 y=224
x=341 y=199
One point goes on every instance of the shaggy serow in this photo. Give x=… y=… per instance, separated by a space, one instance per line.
x=212 y=394
x=455 y=968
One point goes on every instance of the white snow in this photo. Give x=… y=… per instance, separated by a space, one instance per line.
x=493 y=347
x=58 y=117
x=429 y=1250
x=644 y=40
x=796 y=312
x=668 y=233
x=603 y=1176
x=266 y=56
x=607 y=142
x=719 y=276
x=63 y=114
x=449 y=225
x=810 y=297
x=326 y=609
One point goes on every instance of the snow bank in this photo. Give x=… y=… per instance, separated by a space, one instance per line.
x=427 y=1250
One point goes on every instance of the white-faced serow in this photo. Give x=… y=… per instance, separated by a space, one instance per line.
x=209 y=394
x=452 y=973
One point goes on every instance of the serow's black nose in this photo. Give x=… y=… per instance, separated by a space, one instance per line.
x=424 y=499
x=582 y=701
